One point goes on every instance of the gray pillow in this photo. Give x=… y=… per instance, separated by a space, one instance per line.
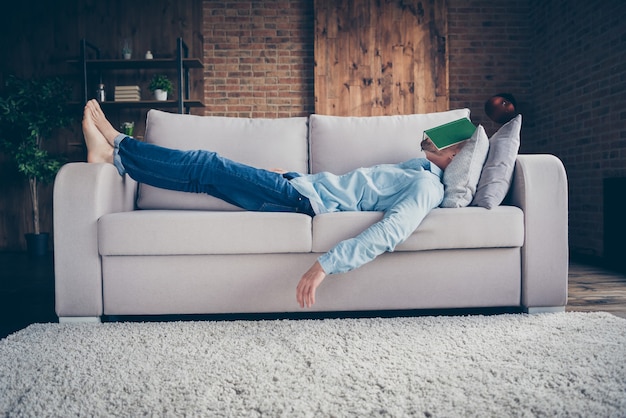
x=461 y=177
x=497 y=174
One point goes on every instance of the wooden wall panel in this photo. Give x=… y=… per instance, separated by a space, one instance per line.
x=380 y=57
x=41 y=36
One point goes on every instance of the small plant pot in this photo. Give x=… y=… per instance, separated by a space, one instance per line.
x=37 y=244
x=160 y=94
x=128 y=128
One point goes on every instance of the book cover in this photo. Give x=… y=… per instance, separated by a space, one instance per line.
x=127 y=88
x=450 y=133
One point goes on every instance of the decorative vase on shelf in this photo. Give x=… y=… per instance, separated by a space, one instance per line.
x=127 y=50
x=160 y=95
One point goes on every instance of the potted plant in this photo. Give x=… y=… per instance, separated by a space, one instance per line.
x=30 y=110
x=127 y=50
x=160 y=85
x=128 y=128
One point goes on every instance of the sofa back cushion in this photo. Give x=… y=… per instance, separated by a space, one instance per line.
x=343 y=143
x=259 y=142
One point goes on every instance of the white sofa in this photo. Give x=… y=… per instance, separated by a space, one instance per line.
x=128 y=249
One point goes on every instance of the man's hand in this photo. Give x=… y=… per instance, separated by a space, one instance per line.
x=305 y=292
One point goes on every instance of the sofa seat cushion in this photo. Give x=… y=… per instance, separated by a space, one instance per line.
x=443 y=228
x=162 y=232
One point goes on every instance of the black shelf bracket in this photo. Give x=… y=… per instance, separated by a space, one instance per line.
x=84 y=46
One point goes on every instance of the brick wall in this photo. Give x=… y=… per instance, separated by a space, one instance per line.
x=565 y=61
x=579 y=96
x=489 y=53
x=258 y=58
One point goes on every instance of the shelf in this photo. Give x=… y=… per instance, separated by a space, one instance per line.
x=180 y=63
x=106 y=64
x=152 y=104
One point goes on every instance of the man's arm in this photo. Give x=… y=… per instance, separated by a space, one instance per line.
x=398 y=224
x=305 y=292
x=363 y=248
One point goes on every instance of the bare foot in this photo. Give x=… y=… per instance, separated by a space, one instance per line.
x=98 y=149
x=101 y=122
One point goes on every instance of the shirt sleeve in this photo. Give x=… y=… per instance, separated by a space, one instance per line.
x=397 y=225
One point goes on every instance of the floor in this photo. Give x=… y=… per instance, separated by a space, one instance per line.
x=596 y=289
x=27 y=291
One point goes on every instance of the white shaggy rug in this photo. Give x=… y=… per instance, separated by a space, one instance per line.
x=513 y=365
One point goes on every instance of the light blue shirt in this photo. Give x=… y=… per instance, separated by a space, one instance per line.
x=405 y=192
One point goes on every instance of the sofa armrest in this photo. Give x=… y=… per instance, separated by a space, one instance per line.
x=540 y=189
x=82 y=194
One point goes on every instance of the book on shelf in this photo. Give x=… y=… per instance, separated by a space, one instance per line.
x=127 y=94
x=127 y=99
x=450 y=133
x=126 y=88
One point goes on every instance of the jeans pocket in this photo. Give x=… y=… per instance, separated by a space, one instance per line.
x=272 y=207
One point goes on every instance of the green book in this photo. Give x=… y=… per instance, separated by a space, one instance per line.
x=450 y=133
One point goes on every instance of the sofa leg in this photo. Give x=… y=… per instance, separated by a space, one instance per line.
x=79 y=319
x=544 y=309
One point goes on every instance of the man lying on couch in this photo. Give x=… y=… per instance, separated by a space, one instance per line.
x=404 y=192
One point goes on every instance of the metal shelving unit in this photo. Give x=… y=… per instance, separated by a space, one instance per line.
x=181 y=63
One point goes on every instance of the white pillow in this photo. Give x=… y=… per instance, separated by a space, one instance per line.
x=497 y=173
x=461 y=176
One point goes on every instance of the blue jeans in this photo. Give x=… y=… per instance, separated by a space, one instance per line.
x=203 y=171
